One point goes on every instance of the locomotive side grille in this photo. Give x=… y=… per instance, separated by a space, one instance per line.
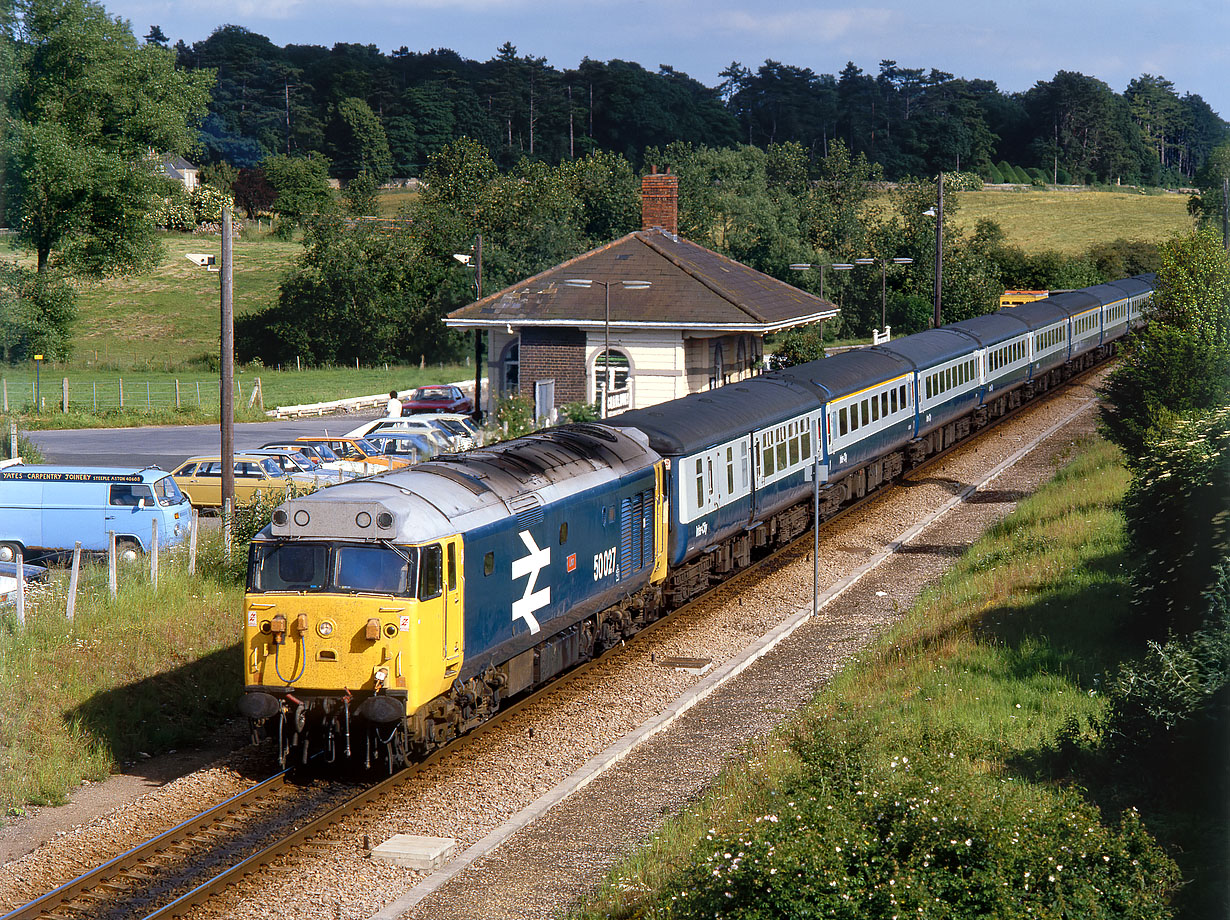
x=528 y=509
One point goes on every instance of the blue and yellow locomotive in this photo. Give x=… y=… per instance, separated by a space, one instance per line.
x=402 y=609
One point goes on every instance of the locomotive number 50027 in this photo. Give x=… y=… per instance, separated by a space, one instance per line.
x=604 y=564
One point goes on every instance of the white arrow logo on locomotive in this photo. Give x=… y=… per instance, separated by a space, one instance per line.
x=531 y=565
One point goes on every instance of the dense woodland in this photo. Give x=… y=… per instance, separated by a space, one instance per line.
x=912 y=121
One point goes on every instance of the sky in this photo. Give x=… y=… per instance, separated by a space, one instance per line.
x=1016 y=45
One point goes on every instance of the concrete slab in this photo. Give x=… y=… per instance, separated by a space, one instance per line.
x=415 y=852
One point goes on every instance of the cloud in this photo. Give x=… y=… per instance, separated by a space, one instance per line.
x=795 y=24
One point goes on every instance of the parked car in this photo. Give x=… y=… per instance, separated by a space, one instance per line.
x=321 y=457
x=465 y=434
x=299 y=468
x=437 y=398
x=47 y=509
x=406 y=445
x=357 y=450
x=200 y=478
x=8 y=579
x=437 y=433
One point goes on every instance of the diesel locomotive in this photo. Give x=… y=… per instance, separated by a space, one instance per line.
x=386 y=616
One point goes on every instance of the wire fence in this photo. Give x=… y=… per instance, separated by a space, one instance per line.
x=118 y=393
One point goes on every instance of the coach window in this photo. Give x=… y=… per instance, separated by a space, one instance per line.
x=805 y=442
x=904 y=399
x=794 y=451
x=842 y=424
x=488 y=563
x=781 y=455
x=884 y=404
x=766 y=456
x=730 y=471
x=866 y=417
x=875 y=409
x=893 y=400
x=431 y=572
x=700 y=483
x=743 y=462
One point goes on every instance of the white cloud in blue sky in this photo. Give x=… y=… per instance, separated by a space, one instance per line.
x=1016 y=45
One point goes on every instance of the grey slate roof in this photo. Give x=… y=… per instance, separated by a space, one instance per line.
x=692 y=287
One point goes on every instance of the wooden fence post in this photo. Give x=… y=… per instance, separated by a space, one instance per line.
x=64 y=400
x=121 y=392
x=111 y=574
x=21 y=590
x=153 y=553
x=192 y=543
x=72 y=582
x=176 y=392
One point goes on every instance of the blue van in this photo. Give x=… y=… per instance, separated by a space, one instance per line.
x=47 y=509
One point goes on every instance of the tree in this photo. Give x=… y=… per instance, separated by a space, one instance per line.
x=253 y=192
x=155 y=36
x=1194 y=289
x=302 y=188
x=89 y=107
x=37 y=311
x=357 y=142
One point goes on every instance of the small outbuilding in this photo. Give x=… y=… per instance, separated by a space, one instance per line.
x=647 y=318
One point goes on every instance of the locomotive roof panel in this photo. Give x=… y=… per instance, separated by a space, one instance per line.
x=704 y=419
x=848 y=371
x=934 y=346
x=993 y=328
x=460 y=492
x=1036 y=315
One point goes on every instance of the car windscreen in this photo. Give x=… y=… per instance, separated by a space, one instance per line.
x=340 y=567
x=167 y=492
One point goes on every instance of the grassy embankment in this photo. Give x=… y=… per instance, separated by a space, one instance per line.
x=940 y=764
x=145 y=673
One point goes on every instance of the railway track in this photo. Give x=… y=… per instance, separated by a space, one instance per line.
x=187 y=865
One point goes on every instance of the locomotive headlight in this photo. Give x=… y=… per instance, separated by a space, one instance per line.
x=381 y=675
x=325 y=628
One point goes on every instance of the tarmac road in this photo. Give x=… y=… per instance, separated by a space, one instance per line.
x=168 y=446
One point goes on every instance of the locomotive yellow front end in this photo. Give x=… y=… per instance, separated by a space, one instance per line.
x=348 y=629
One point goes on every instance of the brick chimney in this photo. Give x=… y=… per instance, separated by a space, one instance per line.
x=660 y=201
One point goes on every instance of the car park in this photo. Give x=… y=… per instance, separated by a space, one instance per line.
x=299 y=468
x=406 y=445
x=321 y=457
x=438 y=433
x=46 y=509
x=200 y=478
x=357 y=450
x=437 y=398
x=465 y=434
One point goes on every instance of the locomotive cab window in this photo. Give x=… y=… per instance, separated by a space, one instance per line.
x=370 y=569
x=431 y=572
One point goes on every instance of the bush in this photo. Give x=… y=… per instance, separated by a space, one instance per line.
x=800 y=345
x=993 y=175
x=579 y=412
x=926 y=834
x=515 y=415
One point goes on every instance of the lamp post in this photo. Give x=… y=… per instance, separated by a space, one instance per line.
x=38 y=393
x=806 y=266
x=464 y=259
x=884 y=262
x=227 y=372
x=835 y=266
x=606 y=346
x=938 y=213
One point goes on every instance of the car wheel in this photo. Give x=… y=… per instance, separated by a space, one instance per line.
x=127 y=549
x=9 y=551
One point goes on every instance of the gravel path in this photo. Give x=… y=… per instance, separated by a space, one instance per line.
x=478 y=788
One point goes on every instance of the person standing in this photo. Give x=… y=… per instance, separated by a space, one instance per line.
x=394 y=405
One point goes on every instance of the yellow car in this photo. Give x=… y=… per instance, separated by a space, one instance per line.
x=358 y=451
x=200 y=478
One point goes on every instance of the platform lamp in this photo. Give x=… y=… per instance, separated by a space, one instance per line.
x=808 y=266
x=884 y=263
x=938 y=213
x=477 y=259
x=606 y=347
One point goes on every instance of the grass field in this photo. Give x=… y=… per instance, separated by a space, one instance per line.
x=1072 y=221
x=166 y=318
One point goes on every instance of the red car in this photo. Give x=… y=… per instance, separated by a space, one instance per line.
x=437 y=399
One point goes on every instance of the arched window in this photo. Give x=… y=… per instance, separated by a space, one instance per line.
x=510 y=363
x=718 y=378
x=611 y=372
